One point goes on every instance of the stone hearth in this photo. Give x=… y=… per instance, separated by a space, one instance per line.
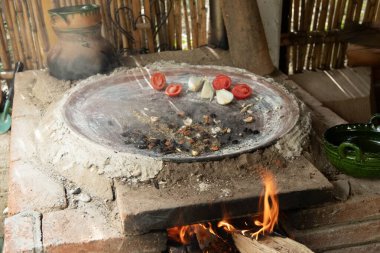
x=112 y=214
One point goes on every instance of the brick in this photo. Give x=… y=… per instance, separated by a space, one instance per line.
x=145 y=208
x=325 y=238
x=61 y=233
x=31 y=189
x=23 y=233
x=353 y=210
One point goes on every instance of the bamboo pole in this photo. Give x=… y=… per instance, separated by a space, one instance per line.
x=338 y=45
x=358 y=9
x=171 y=27
x=136 y=9
x=371 y=4
x=178 y=23
x=23 y=36
x=187 y=24
x=315 y=16
x=194 y=23
x=10 y=32
x=305 y=27
x=343 y=45
x=41 y=28
x=39 y=44
x=320 y=27
x=295 y=47
x=149 y=32
x=30 y=42
x=113 y=28
x=162 y=32
x=10 y=16
x=4 y=50
x=123 y=24
x=325 y=63
x=202 y=23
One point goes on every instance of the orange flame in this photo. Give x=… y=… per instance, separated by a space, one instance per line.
x=180 y=234
x=270 y=206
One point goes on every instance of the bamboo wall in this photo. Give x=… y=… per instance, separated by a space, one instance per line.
x=316 y=31
x=132 y=26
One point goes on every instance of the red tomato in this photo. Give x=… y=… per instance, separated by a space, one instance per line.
x=173 y=89
x=158 y=81
x=221 y=82
x=241 y=91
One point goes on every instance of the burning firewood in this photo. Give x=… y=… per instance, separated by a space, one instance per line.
x=268 y=244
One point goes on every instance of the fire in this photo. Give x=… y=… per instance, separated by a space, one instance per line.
x=268 y=212
x=270 y=206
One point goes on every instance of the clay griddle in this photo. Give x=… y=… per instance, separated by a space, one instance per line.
x=104 y=111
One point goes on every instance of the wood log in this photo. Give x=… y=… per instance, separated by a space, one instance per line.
x=269 y=244
x=246 y=37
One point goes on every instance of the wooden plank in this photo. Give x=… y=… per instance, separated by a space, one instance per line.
x=268 y=244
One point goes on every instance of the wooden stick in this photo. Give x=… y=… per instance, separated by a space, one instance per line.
x=194 y=23
x=23 y=36
x=178 y=23
x=149 y=32
x=4 y=50
x=269 y=244
x=159 y=10
x=187 y=24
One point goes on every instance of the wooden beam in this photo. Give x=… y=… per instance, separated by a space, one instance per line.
x=246 y=37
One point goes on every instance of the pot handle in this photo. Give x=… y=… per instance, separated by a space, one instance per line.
x=348 y=145
x=373 y=119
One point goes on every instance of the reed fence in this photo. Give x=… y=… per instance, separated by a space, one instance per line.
x=315 y=36
x=132 y=26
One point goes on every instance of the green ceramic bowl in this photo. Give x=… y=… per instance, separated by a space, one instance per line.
x=355 y=148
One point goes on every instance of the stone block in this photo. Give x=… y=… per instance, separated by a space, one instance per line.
x=74 y=230
x=23 y=233
x=31 y=189
x=146 y=208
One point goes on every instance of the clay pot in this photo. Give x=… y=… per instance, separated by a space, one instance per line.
x=81 y=51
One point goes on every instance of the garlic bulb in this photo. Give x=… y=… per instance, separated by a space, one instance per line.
x=207 y=90
x=195 y=83
x=224 y=97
